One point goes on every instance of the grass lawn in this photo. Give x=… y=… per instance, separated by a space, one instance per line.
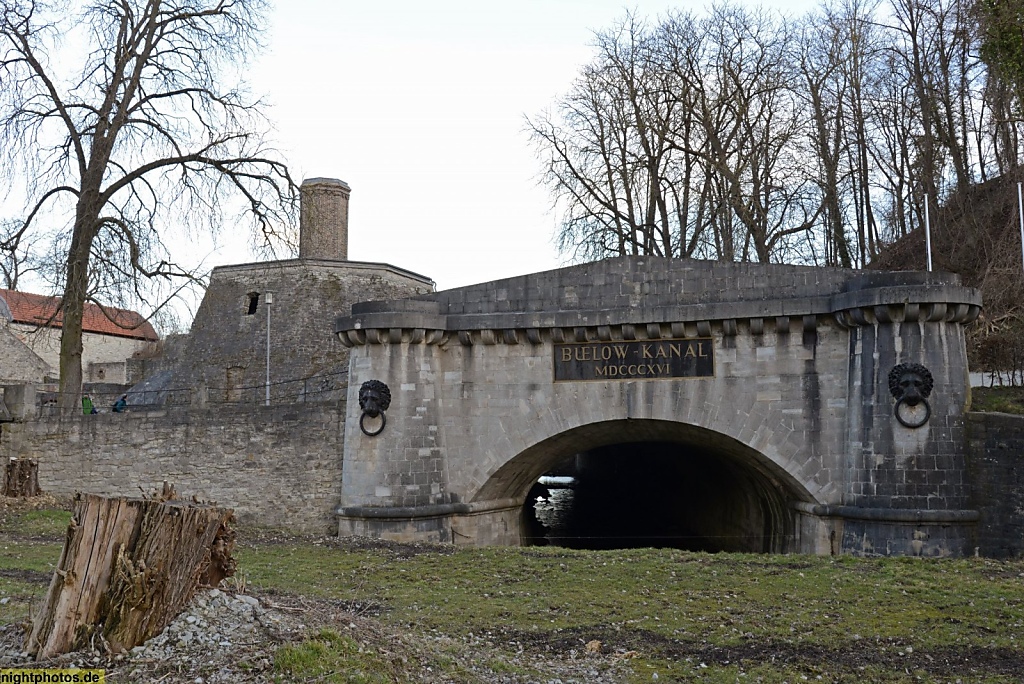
x=30 y=545
x=998 y=399
x=685 y=615
x=678 y=615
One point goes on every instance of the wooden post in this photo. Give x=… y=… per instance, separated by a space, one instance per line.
x=128 y=567
x=21 y=478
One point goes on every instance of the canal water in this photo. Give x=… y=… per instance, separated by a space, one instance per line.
x=566 y=516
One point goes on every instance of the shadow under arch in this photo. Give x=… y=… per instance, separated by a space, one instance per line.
x=673 y=484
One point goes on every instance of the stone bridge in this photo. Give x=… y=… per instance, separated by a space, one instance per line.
x=756 y=397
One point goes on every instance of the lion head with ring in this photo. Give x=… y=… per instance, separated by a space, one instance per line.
x=911 y=384
x=374 y=400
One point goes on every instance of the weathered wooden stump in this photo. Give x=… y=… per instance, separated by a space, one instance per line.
x=21 y=478
x=129 y=567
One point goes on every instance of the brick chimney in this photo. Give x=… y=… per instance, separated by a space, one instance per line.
x=323 y=219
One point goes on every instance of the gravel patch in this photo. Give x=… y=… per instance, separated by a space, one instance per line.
x=228 y=637
x=220 y=637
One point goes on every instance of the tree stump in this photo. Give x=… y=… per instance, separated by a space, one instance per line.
x=21 y=478
x=128 y=567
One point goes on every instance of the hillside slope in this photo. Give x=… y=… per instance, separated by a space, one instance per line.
x=977 y=235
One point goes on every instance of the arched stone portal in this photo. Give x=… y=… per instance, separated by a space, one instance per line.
x=779 y=373
x=658 y=483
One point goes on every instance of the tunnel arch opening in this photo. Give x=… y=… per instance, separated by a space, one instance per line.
x=645 y=483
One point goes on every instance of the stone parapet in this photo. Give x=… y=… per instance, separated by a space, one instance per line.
x=867 y=301
x=897 y=532
x=464 y=524
x=20 y=401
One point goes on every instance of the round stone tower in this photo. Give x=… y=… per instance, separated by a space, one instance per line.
x=323 y=219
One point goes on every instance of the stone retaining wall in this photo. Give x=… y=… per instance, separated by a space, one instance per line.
x=995 y=466
x=277 y=466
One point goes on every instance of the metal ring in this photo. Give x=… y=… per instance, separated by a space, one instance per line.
x=378 y=430
x=383 y=422
x=927 y=413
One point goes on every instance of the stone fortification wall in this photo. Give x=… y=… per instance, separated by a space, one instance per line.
x=226 y=348
x=995 y=465
x=278 y=467
x=162 y=358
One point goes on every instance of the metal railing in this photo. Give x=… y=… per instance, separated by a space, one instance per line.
x=313 y=389
x=321 y=388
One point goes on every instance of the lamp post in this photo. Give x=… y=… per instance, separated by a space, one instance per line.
x=927 y=233
x=1020 y=216
x=269 y=299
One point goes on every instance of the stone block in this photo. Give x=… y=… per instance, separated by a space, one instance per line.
x=20 y=401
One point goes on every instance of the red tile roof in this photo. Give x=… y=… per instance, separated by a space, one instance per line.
x=34 y=309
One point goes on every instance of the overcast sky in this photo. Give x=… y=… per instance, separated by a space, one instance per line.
x=420 y=108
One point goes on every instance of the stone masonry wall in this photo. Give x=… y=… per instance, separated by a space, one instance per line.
x=96 y=349
x=227 y=346
x=278 y=467
x=18 y=363
x=995 y=465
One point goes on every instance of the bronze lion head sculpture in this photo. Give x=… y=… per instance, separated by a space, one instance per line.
x=374 y=398
x=910 y=383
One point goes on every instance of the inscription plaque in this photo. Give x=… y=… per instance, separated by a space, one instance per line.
x=635 y=360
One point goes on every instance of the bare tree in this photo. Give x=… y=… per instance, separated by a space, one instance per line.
x=736 y=134
x=825 y=92
x=680 y=140
x=839 y=54
x=154 y=132
x=606 y=151
x=861 y=57
x=956 y=67
x=1005 y=124
x=892 y=145
x=751 y=124
x=16 y=256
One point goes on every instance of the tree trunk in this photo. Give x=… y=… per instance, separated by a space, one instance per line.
x=72 y=304
x=128 y=568
x=21 y=478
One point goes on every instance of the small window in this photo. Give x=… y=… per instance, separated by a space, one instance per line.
x=254 y=302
